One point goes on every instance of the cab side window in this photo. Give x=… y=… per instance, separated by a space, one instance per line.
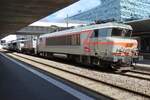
x=103 y=32
x=95 y=33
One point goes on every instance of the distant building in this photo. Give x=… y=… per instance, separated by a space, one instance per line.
x=120 y=10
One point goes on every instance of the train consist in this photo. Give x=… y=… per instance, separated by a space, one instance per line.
x=109 y=44
x=15 y=45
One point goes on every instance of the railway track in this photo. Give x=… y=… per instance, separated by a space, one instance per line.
x=133 y=85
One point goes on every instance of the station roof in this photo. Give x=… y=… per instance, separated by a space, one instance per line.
x=140 y=25
x=16 y=14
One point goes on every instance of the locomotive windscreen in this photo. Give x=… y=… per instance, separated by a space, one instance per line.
x=121 y=32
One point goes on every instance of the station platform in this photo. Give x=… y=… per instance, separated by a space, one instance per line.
x=143 y=65
x=146 y=55
x=145 y=62
x=19 y=81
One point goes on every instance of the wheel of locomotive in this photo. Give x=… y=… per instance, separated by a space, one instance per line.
x=105 y=64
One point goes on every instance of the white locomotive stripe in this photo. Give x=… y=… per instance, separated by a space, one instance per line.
x=62 y=86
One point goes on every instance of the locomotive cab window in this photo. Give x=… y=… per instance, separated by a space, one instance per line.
x=128 y=33
x=101 y=32
x=105 y=32
x=121 y=32
x=116 y=32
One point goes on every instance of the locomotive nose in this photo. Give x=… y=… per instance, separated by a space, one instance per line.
x=124 y=46
x=130 y=44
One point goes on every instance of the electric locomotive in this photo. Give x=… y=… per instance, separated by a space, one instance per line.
x=108 y=44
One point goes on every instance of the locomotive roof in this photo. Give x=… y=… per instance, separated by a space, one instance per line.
x=88 y=27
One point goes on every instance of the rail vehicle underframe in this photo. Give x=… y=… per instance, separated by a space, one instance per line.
x=121 y=61
x=116 y=62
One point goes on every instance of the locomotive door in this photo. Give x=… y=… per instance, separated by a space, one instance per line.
x=95 y=42
x=100 y=42
x=103 y=42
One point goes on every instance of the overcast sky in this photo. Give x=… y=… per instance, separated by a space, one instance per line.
x=73 y=9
